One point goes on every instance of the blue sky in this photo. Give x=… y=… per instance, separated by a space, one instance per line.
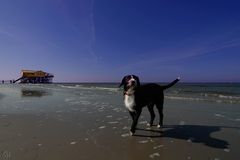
x=102 y=40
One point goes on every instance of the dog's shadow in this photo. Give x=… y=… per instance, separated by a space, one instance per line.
x=191 y=133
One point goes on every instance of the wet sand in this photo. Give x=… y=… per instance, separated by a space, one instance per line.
x=98 y=128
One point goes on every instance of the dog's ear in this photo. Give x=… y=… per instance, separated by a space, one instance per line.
x=123 y=81
x=137 y=79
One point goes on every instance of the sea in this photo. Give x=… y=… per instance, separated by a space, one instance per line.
x=211 y=92
x=13 y=95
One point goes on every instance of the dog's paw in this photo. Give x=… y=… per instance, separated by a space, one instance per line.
x=159 y=126
x=149 y=125
x=131 y=133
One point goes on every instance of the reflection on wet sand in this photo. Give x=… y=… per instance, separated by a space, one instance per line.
x=1 y=96
x=34 y=93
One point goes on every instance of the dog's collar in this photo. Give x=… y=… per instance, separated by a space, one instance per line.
x=128 y=94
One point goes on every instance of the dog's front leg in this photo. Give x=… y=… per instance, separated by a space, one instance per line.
x=135 y=121
x=132 y=114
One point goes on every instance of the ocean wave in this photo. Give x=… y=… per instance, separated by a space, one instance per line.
x=111 y=89
x=220 y=95
x=208 y=94
x=108 y=89
x=218 y=99
x=184 y=98
x=229 y=97
x=69 y=87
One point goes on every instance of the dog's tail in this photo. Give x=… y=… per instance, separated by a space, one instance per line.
x=171 y=84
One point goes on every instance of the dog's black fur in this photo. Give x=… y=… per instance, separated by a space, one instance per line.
x=144 y=95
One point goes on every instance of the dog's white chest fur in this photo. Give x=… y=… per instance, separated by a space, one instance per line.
x=129 y=101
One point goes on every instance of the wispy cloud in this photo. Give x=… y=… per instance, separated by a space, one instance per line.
x=82 y=26
x=92 y=32
x=7 y=34
x=185 y=50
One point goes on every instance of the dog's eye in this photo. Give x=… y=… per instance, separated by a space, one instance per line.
x=128 y=78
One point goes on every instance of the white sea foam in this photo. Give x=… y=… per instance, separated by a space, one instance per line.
x=228 y=97
x=107 y=89
x=125 y=128
x=226 y=150
x=143 y=122
x=101 y=127
x=72 y=143
x=101 y=108
x=206 y=97
x=69 y=87
x=159 y=146
x=125 y=135
x=184 y=98
x=85 y=102
x=117 y=109
x=75 y=102
x=90 y=87
x=143 y=141
x=218 y=115
x=114 y=122
x=70 y=99
x=154 y=155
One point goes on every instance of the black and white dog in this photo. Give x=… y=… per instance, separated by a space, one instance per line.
x=137 y=96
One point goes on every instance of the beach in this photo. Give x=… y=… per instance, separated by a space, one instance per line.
x=89 y=121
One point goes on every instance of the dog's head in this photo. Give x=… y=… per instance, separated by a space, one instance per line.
x=130 y=81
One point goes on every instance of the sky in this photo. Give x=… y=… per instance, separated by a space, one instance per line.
x=103 y=40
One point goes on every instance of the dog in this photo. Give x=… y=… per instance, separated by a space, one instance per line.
x=137 y=96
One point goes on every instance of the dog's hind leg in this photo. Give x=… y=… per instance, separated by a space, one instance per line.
x=160 y=111
x=152 y=114
x=135 y=121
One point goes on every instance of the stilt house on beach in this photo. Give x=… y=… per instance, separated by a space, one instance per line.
x=32 y=76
